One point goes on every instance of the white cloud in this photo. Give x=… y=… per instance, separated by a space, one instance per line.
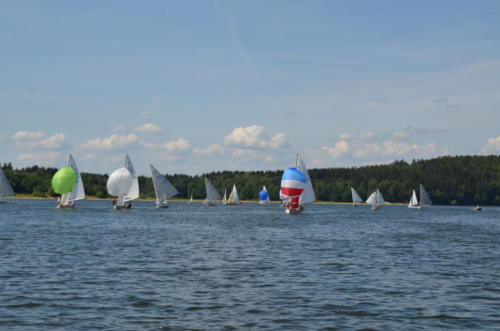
x=148 y=128
x=254 y=136
x=176 y=146
x=492 y=145
x=118 y=128
x=46 y=157
x=345 y=136
x=112 y=142
x=340 y=149
x=368 y=135
x=38 y=139
x=28 y=135
x=210 y=150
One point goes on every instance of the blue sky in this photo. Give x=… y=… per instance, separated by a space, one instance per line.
x=197 y=86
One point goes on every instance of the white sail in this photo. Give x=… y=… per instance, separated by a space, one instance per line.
x=307 y=195
x=424 y=197
x=233 y=197
x=413 y=201
x=5 y=188
x=212 y=193
x=376 y=198
x=163 y=188
x=78 y=192
x=355 y=196
x=224 y=198
x=119 y=182
x=372 y=199
x=133 y=191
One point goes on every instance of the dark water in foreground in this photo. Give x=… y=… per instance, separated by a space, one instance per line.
x=247 y=268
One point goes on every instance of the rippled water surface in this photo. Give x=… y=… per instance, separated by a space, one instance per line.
x=247 y=267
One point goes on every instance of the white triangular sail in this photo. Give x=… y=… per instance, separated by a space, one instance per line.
x=413 y=201
x=133 y=191
x=78 y=192
x=376 y=198
x=163 y=188
x=424 y=197
x=212 y=193
x=308 y=195
x=5 y=188
x=355 y=196
x=224 y=198
x=234 y=197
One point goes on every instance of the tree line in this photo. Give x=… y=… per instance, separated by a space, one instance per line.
x=447 y=179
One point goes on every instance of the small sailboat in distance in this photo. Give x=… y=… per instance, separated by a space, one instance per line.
x=413 y=201
x=293 y=182
x=356 y=199
x=376 y=199
x=264 y=196
x=224 y=198
x=234 y=198
x=5 y=187
x=212 y=194
x=424 y=197
x=124 y=184
x=68 y=182
x=307 y=195
x=163 y=188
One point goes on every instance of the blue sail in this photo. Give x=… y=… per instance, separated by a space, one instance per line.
x=263 y=195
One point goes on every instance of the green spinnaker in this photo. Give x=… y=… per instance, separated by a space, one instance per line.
x=63 y=180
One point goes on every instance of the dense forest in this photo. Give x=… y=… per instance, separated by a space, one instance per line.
x=448 y=180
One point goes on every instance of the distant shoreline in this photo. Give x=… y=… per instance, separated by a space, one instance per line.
x=25 y=196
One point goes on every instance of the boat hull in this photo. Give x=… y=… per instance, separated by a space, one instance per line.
x=161 y=205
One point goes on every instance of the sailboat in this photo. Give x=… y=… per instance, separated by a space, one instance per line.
x=413 y=201
x=234 y=198
x=123 y=184
x=293 y=182
x=224 y=198
x=5 y=188
x=376 y=199
x=191 y=200
x=307 y=195
x=163 y=188
x=424 y=197
x=356 y=199
x=68 y=182
x=264 y=196
x=212 y=194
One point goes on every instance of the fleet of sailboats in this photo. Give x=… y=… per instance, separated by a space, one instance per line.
x=296 y=189
x=68 y=182
x=163 y=188
x=5 y=187
x=212 y=194
x=124 y=184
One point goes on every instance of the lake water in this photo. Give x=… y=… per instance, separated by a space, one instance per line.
x=247 y=267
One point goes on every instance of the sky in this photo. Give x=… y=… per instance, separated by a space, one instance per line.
x=198 y=86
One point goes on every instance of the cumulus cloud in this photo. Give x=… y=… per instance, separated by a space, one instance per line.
x=345 y=136
x=210 y=150
x=176 y=146
x=37 y=139
x=492 y=145
x=47 y=157
x=254 y=136
x=148 y=128
x=339 y=149
x=368 y=135
x=118 y=128
x=28 y=135
x=112 y=142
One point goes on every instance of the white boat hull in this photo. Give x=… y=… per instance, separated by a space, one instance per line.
x=162 y=204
